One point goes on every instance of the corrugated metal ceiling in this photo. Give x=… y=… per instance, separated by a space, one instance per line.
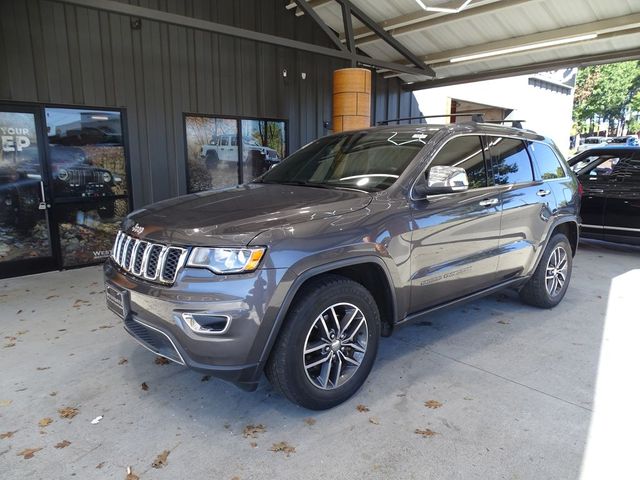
x=429 y=34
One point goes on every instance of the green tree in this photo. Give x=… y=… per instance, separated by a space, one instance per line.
x=607 y=91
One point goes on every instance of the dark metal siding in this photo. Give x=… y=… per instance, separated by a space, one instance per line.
x=56 y=53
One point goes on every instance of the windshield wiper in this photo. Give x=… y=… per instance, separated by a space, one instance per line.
x=299 y=183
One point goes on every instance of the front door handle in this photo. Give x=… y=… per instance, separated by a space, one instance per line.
x=488 y=202
x=543 y=193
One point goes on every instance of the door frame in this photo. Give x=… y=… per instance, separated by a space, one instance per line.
x=54 y=262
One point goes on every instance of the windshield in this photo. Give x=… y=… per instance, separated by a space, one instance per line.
x=370 y=161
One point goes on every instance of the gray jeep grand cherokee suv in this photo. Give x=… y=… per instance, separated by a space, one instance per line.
x=299 y=273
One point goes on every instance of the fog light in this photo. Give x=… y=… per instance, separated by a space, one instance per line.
x=206 y=323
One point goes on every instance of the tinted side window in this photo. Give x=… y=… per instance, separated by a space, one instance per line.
x=601 y=166
x=548 y=164
x=511 y=163
x=465 y=152
x=628 y=170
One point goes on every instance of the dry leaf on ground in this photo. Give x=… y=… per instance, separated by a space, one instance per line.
x=45 y=421
x=43 y=368
x=5 y=403
x=253 y=445
x=122 y=361
x=374 y=420
x=62 y=444
x=362 y=408
x=283 y=447
x=427 y=432
x=7 y=434
x=503 y=322
x=432 y=404
x=310 y=421
x=100 y=465
x=68 y=412
x=161 y=460
x=131 y=475
x=144 y=386
x=161 y=361
x=205 y=378
x=28 y=453
x=253 y=430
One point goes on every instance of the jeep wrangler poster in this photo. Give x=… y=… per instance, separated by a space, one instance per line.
x=24 y=232
x=88 y=171
x=216 y=145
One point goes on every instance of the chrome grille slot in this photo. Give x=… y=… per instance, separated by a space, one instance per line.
x=151 y=261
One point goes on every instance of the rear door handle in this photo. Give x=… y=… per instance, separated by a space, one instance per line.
x=488 y=202
x=543 y=193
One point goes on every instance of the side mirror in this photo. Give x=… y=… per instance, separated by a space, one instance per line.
x=442 y=179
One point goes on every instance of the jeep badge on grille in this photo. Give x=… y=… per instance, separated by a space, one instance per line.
x=137 y=229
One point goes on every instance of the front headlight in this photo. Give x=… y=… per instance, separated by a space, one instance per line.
x=226 y=260
x=106 y=177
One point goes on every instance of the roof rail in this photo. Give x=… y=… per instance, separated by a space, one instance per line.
x=475 y=117
x=514 y=123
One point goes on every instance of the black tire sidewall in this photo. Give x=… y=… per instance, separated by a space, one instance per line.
x=303 y=318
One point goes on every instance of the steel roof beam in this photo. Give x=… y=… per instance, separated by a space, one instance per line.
x=308 y=9
x=528 y=69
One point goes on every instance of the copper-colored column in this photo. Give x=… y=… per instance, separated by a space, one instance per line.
x=351 y=99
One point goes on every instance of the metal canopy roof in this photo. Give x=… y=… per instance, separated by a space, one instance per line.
x=488 y=38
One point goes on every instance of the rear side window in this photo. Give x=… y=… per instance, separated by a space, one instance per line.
x=511 y=163
x=548 y=164
x=465 y=152
x=602 y=166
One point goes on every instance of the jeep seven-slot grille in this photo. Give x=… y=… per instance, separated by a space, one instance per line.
x=151 y=261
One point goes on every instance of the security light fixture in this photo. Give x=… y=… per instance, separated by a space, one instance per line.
x=524 y=48
x=464 y=5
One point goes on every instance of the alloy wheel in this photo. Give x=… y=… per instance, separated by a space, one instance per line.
x=556 y=273
x=335 y=346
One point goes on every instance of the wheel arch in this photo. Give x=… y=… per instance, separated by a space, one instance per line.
x=366 y=270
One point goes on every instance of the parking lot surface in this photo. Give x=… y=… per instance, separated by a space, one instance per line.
x=490 y=389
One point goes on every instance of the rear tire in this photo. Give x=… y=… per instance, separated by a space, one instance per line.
x=549 y=283
x=327 y=374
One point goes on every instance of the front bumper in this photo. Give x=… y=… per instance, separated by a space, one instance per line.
x=153 y=315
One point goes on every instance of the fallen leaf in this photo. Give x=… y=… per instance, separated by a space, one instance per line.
x=45 y=421
x=100 y=465
x=52 y=296
x=68 y=412
x=205 y=378
x=10 y=344
x=227 y=426
x=374 y=420
x=253 y=430
x=131 y=475
x=144 y=386
x=432 y=404
x=503 y=322
x=18 y=312
x=28 y=453
x=426 y=432
x=283 y=447
x=53 y=394
x=122 y=361
x=22 y=332
x=310 y=421
x=467 y=398
x=253 y=445
x=62 y=444
x=5 y=403
x=102 y=327
x=161 y=460
x=362 y=408
x=43 y=368
x=161 y=361
x=7 y=434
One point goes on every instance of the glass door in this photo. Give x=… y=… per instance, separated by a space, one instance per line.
x=25 y=230
x=88 y=171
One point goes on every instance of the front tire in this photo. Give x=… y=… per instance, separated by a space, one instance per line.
x=328 y=343
x=549 y=283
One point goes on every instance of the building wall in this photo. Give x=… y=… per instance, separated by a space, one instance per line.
x=62 y=54
x=547 y=111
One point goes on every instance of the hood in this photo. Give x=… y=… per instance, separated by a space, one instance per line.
x=236 y=215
